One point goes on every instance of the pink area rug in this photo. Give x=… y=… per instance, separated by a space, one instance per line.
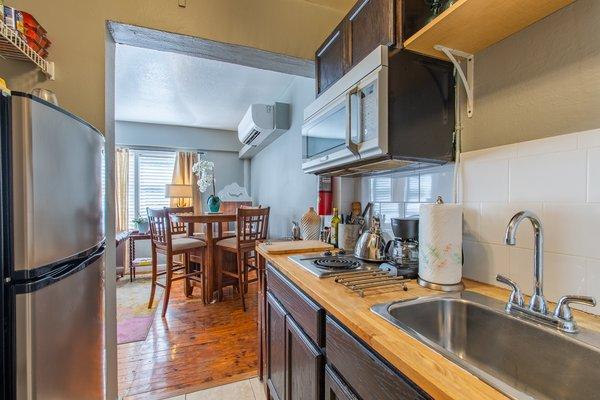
x=134 y=318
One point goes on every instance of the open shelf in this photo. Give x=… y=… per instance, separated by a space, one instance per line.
x=15 y=48
x=473 y=25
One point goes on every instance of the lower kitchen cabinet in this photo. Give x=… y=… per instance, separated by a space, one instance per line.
x=304 y=365
x=309 y=357
x=335 y=388
x=276 y=360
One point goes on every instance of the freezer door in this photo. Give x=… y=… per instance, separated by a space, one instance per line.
x=56 y=185
x=59 y=335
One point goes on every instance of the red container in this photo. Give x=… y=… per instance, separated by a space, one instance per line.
x=30 y=22
x=325 y=201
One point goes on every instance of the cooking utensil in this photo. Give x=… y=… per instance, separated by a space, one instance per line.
x=371 y=245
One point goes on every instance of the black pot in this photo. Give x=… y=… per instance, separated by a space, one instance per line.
x=406 y=228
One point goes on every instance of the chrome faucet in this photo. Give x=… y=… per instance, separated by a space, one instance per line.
x=562 y=317
x=538 y=302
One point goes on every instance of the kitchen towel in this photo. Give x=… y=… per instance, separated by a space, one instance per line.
x=440 y=243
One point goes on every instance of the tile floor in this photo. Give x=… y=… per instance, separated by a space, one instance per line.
x=248 y=389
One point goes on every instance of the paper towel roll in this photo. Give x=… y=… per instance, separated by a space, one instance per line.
x=440 y=243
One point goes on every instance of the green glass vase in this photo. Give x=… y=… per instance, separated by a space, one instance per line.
x=214 y=203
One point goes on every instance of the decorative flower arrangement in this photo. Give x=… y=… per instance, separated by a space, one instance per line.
x=204 y=170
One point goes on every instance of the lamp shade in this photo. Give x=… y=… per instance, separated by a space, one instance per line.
x=178 y=191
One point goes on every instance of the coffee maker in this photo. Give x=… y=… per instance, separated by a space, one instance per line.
x=403 y=251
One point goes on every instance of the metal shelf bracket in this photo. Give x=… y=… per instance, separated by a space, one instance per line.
x=467 y=79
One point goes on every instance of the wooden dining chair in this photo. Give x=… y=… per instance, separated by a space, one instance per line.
x=251 y=225
x=167 y=239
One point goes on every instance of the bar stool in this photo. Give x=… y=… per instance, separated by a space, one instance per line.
x=167 y=239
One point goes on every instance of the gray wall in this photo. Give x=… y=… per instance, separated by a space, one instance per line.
x=276 y=172
x=542 y=81
x=221 y=147
x=180 y=137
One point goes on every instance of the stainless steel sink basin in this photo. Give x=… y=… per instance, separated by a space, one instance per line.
x=520 y=358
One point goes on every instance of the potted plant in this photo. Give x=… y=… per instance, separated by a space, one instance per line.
x=141 y=224
x=204 y=169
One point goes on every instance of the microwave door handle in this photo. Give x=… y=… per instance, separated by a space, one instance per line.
x=350 y=145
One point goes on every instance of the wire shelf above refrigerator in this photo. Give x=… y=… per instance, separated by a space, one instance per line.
x=13 y=47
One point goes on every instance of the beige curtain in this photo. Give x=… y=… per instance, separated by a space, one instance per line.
x=183 y=175
x=122 y=189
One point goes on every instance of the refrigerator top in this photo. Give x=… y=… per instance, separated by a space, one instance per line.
x=57 y=108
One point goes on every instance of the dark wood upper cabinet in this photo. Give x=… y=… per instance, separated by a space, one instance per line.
x=304 y=365
x=276 y=341
x=330 y=58
x=371 y=23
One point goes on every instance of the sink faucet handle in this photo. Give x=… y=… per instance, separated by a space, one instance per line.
x=516 y=297
x=564 y=311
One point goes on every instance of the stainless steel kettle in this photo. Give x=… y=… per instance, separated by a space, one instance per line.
x=371 y=245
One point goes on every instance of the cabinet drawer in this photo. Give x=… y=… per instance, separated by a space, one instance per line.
x=308 y=314
x=368 y=375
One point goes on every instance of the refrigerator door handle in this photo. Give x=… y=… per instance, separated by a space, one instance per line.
x=69 y=270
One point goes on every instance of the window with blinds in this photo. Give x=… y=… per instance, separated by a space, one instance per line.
x=149 y=172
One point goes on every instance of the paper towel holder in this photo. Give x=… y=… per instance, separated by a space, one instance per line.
x=457 y=287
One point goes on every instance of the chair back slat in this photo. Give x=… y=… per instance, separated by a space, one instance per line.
x=252 y=225
x=160 y=231
x=178 y=227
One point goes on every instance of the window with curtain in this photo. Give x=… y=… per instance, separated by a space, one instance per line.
x=149 y=172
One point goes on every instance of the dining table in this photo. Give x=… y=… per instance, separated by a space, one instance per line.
x=208 y=220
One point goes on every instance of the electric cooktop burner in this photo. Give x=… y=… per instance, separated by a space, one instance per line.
x=330 y=264
x=336 y=263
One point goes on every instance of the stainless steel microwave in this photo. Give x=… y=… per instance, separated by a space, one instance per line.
x=390 y=111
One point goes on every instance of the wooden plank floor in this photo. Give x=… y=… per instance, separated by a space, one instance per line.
x=194 y=347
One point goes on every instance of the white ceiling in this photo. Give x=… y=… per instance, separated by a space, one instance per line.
x=174 y=89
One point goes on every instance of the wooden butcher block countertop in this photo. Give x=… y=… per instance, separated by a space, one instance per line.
x=435 y=374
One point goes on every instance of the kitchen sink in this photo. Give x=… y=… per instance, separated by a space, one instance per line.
x=519 y=357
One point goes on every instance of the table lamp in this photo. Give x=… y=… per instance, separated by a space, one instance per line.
x=179 y=192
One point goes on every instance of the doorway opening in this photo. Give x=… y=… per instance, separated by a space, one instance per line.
x=176 y=97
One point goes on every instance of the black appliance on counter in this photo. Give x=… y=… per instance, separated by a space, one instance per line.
x=403 y=251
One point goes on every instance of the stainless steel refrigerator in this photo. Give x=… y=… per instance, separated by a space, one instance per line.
x=52 y=252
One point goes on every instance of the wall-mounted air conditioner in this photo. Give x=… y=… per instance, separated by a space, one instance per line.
x=261 y=125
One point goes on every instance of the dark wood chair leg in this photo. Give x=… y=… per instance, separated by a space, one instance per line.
x=240 y=268
x=203 y=274
x=245 y=268
x=168 y=282
x=153 y=280
x=187 y=287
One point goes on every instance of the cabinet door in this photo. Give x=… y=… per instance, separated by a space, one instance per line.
x=276 y=334
x=330 y=58
x=304 y=365
x=371 y=23
x=335 y=388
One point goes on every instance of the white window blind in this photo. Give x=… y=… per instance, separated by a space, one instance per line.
x=149 y=172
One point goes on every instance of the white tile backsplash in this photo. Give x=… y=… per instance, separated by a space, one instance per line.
x=549 y=145
x=572 y=229
x=495 y=216
x=593 y=176
x=557 y=178
x=549 y=177
x=483 y=261
x=589 y=139
x=485 y=180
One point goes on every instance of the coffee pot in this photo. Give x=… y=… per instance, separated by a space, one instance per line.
x=403 y=250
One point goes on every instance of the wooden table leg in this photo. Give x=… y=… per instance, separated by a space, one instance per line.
x=131 y=257
x=210 y=267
